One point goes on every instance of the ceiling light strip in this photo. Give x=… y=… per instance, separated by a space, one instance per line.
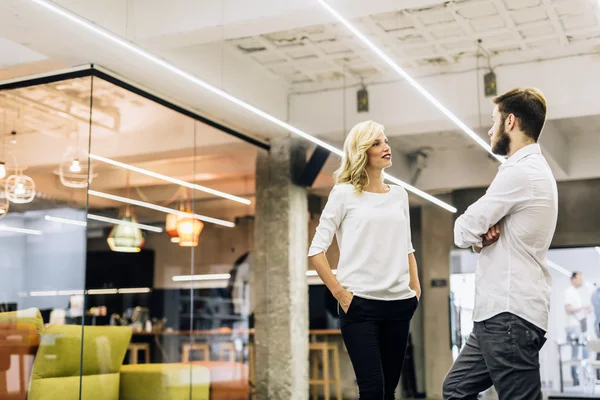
x=134 y=290
x=559 y=268
x=20 y=230
x=100 y=218
x=102 y=291
x=420 y=193
x=412 y=81
x=71 y=292
x=161 y=62
x=218 y=277
x=65 y=221
x=170 y=179
x=43 y=293
x=203 y=277
x=125 y=223
x=166 y=210
x=92 y=292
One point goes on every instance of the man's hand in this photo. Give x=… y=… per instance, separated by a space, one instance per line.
x=491 y=236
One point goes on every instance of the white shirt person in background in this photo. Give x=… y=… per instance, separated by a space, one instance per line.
x=377 y=286
x=511 y=227
x=577 y=306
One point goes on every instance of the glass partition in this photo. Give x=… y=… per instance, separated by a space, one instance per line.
x=44 y=142
x=125 y=247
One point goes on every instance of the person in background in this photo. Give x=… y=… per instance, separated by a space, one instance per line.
x=577 y=307
x=596 y=304
x=238 y=288
x=377 y=285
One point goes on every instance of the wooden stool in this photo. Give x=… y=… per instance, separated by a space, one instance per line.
x=322 y=349
x=251 y=371
x=187 y=348
x=134 y=348
x=227 y=351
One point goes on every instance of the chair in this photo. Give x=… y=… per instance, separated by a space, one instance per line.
x=227 y=351
x=19 y=336
x=320 y=352
x=593 y=346
x=163 y=382
x=581 y=364
x=252 y=370
x=69 y=359
x=135 y=348
x=187 y=348
x=58 y=367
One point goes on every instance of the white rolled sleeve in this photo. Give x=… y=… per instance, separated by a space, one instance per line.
x=330 y=220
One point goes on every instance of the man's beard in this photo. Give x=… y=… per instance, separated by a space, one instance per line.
x=502 y=146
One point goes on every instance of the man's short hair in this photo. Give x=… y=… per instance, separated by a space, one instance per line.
x=528 y=105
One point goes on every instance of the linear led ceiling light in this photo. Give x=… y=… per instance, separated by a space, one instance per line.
x=411 y=80
x=204 y=277
x=104 y=219
x=67 y=221
x=120 y=222
x=48 y=293
x=170 y=179
x=559 y=268
x=218 y=277
x=20 y=230
x=166 y=210
x=199 y=82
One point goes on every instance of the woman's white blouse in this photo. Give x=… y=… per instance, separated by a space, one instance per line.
x=373 y=234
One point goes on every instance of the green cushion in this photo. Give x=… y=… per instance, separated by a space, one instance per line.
x=57 y=365
x=94 y=387
x=28 y=316
x=164 y=382
x=59 y=354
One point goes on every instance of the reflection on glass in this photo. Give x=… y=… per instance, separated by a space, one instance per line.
x=564 y=357
x=104 y=234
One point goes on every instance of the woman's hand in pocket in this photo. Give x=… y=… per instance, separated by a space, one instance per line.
x=345 y=299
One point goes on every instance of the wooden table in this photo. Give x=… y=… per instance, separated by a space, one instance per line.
x=218 y=334
x=224 y=332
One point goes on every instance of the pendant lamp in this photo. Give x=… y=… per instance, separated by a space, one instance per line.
x=74 y=171
x=188 y=230
x=124 y=238
x=20 y=188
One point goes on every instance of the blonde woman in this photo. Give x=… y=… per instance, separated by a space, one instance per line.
x=377 y=287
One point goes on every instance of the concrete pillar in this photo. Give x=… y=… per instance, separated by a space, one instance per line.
x=437 y=241
x=279 y=286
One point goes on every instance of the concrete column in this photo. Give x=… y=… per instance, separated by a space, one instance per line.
x=437 y=241
x=279 y=286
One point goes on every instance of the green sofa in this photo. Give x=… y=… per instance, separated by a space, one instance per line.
x=58 y=363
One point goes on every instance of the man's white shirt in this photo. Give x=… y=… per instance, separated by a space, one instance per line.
x=512 y=274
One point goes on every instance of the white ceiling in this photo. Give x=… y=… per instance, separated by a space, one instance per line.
x=442 y=36
x=53 y=119
x=290 y=59
x=12 y=53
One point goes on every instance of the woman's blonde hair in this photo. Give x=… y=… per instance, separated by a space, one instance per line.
x=354 y=161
